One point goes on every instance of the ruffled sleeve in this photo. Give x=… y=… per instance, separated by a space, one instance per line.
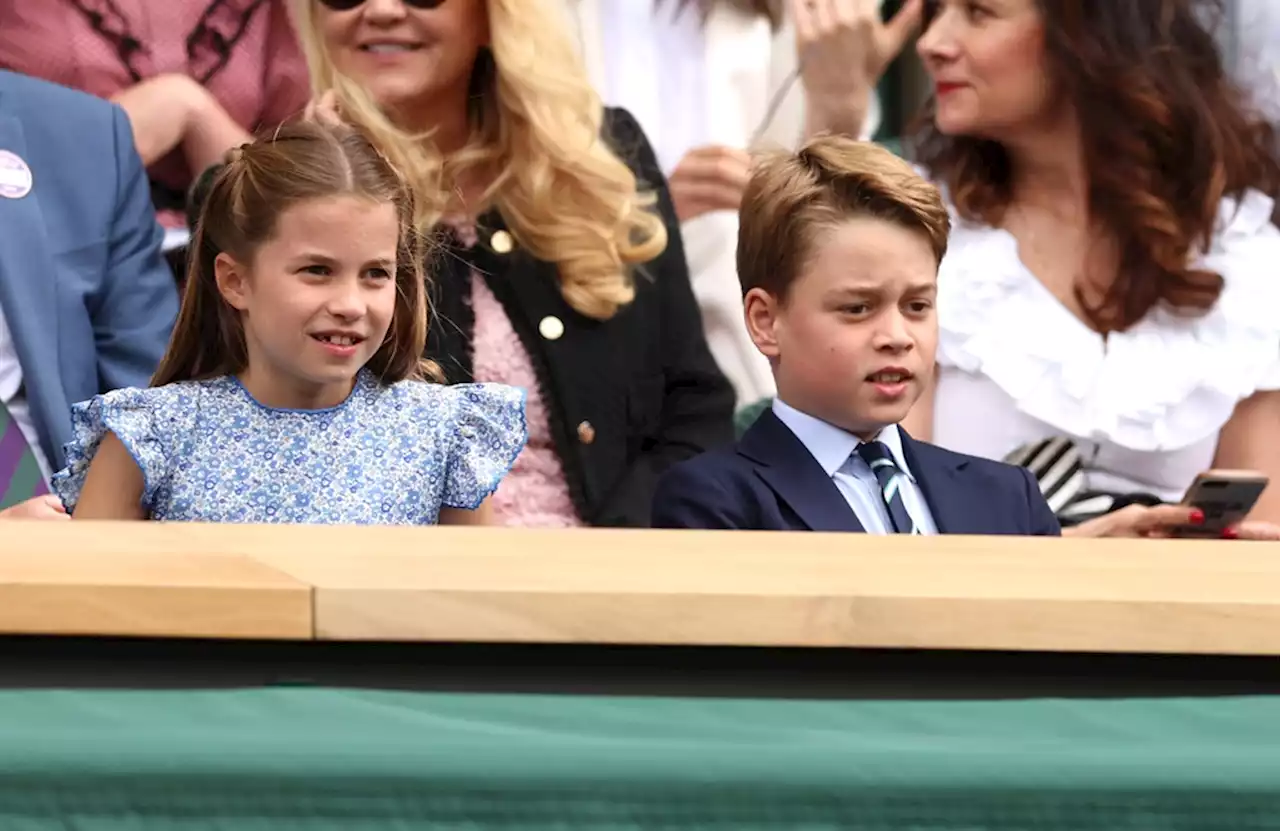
x=489 y=431
x=1168 y=382
x=132 y=415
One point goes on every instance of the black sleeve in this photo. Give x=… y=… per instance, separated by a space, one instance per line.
x=698 y=401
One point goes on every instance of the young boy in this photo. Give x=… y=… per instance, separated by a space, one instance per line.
x=838 y=253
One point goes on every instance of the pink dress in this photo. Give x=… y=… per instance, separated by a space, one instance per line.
x=535 y=493
x=260 y=79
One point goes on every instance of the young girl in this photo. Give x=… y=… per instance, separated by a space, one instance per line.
x=293 y=389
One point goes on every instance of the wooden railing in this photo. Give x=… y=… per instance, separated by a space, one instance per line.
x=638 y=587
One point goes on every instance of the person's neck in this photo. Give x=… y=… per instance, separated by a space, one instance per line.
x=280 y=392
x=1049 y=173
x=444 y=118
x=449 y=129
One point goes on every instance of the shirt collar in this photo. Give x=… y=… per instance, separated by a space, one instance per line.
x=830 y=445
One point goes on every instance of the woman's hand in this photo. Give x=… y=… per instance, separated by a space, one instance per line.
x=844 y=47
x=1161 y=520
x=46 y=507
x=709 y=179
x=324 y=109
x=1254 y=530
x=1138 y=521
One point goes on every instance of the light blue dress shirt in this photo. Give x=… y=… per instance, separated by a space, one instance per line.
x=834 y=450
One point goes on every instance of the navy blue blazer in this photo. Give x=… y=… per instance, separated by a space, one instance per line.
x=85 y=292
x=769 y=481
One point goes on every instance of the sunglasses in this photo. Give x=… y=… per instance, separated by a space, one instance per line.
x=348 y=5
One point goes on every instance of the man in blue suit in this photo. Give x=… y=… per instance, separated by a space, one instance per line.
x=838 y=253
x=86 y=300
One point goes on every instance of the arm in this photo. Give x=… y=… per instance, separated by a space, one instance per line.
x=113 y=486
x=482 y=515
x=687 y=498
x=138 y=301
x=698 y=402
x=1248 y=441
x=211 y=133
x=171 y=111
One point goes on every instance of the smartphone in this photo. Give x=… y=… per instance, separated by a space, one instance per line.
x=1225 y=496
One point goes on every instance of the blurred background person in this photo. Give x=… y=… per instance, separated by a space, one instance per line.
x=86 y=302
x=195 y=77
x=1108 y=302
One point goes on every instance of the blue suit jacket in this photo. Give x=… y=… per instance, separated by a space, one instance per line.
x=84 y=289
x=770 y=482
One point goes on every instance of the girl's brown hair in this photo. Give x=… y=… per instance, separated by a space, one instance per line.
x=302 y=161
x=1166 y=136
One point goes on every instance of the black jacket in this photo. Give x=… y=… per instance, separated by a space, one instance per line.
x=627 y=397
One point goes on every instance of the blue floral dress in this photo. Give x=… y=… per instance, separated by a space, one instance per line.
x=388 y=455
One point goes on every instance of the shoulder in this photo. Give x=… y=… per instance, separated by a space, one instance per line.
x=183 y=395
x=990 y=469
x=53 y=113
x=158 y=411
x=452 y=402
x=984 y=474
x=1244 y=251
x=487 y=418
x=147 y=421
x=723 y=466
x=718 y=489
x=625 y=137
x=482 y=429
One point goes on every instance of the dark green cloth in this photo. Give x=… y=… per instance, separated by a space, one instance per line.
x=353 y=760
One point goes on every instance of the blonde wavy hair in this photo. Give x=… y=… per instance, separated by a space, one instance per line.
x=566 y=197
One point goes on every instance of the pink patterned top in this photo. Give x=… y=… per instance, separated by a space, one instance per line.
x=535 y=492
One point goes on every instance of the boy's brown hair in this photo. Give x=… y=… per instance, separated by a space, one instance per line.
x=832 y=179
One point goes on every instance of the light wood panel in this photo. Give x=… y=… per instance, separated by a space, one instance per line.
x=651 y=587
x=143 y=580
x=640 y=587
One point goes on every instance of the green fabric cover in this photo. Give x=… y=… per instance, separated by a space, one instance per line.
x=290 y=758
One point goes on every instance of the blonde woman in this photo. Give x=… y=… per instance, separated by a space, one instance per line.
x=710 y=80
x=564 y=272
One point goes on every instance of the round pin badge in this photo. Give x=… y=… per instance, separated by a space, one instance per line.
x=15 y=176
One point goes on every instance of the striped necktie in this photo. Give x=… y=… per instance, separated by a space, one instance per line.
x=20 y=476
x=877 y=456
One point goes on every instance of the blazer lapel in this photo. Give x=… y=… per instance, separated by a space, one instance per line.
x=787 y=466
x=956 y=509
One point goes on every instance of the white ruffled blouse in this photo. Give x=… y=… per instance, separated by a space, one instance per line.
x=1145 y=405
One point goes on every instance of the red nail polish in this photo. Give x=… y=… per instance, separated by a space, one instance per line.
x=1230 y=534
x=1197 y=517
